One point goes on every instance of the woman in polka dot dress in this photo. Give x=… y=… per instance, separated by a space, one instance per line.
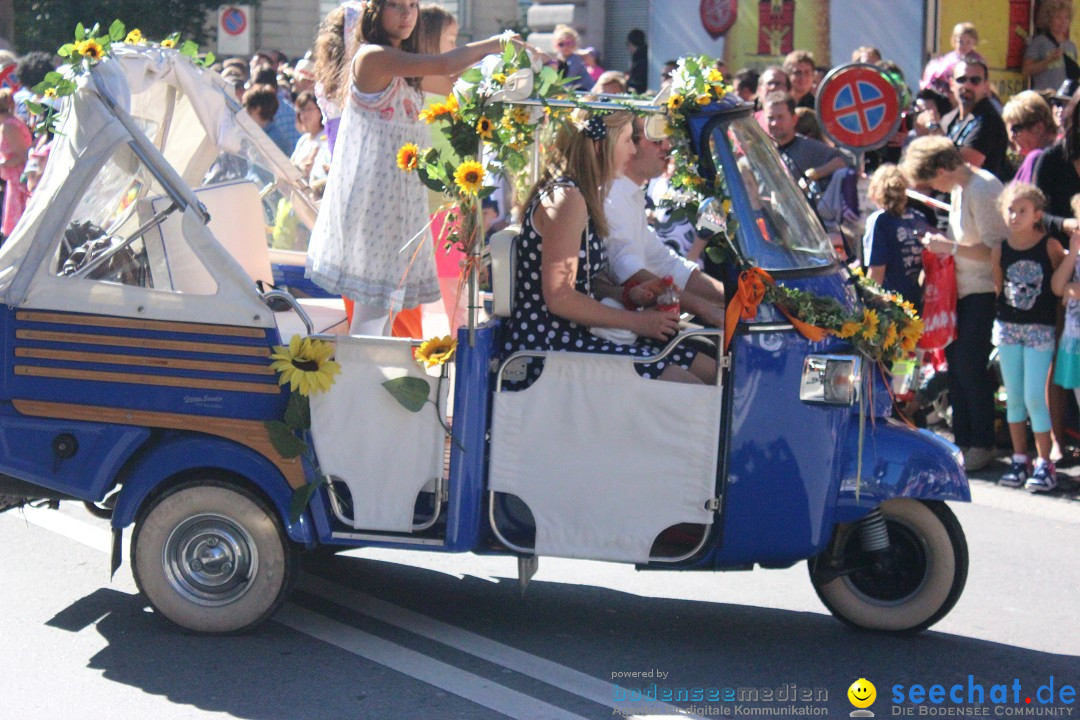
x=560 y=254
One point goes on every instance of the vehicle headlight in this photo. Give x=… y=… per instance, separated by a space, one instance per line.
x=831 y=379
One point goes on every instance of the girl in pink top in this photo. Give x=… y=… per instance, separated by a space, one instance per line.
x=15 y=142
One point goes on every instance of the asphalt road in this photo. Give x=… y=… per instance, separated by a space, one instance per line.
x=386 y=634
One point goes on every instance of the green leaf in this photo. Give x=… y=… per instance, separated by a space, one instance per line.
x=190 y=48
x=298 y=412
x=485 y=192
x=509 y=54
x=50 y=77
x=300 y=499
x=472 y=75
x=515 y=162
x=66 y=50
x=208 y=60
x=411 y=392
x=430 y=182
x=284 y=439
x=80 y=32
x=117 y=31
x=35 y=108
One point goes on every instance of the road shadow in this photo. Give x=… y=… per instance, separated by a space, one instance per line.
x=275 y=673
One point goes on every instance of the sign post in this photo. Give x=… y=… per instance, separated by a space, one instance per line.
x=234 y=30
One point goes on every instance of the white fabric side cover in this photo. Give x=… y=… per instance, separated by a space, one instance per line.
x=384 y=453
x=605 y=459
x=503 y=249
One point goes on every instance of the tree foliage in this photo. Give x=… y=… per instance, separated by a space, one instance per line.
x=48 y=24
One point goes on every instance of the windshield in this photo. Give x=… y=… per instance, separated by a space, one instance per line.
x=778 y=230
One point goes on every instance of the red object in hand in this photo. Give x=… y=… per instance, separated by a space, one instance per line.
x=668 y=299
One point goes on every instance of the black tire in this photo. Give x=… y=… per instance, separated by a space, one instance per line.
x=925 y=577
x=212 y=558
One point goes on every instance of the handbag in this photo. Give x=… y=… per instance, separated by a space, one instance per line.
x=939 y=301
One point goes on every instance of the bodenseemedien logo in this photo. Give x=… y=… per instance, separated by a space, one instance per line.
x=862 y=695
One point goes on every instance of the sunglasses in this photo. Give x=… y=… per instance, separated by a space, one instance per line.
x=565 y=43
x=968 y=80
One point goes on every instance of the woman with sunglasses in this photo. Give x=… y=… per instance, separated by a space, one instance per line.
x=1032 y=129
x=571 y=64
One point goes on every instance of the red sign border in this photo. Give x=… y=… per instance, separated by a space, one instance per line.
x=831 y=86
x=243 y=15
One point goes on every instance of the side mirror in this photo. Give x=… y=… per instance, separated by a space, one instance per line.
x=711 y=218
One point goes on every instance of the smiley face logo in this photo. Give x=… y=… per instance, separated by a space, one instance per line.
x=862 y=693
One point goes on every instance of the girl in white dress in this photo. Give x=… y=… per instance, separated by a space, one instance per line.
x=370 y=242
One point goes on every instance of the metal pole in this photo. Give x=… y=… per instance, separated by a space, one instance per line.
x=474 y=265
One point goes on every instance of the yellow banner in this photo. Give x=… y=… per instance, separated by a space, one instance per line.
x=767 y=30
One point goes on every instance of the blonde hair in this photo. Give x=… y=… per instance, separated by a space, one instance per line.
x=589 y=163
x=1049 y=9
x=331 y=68
x=433 y=20
x=564 y=31
x=965 y=28
x=864 y=50
x=925 y=156
x=888 y=188
x=609 y=76
x=1029 y=108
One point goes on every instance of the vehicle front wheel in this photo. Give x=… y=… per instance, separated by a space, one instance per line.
x=212 y=557
x=906 y=588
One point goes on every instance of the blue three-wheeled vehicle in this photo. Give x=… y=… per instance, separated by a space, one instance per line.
x=136 y=339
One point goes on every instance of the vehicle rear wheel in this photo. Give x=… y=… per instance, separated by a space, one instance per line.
x=915 y=583
x=212 y=558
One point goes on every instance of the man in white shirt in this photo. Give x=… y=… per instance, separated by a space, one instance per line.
x=636 y=256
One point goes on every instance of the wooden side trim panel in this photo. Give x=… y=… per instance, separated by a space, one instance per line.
x=249 y=433
x=133 y=324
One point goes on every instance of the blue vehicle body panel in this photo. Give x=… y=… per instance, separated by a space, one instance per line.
x=184 y=452
x=26 y=452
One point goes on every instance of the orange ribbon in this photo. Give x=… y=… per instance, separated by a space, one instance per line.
x=748 y=296
x=744 y=304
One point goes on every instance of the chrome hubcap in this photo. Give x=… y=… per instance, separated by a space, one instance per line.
x=210 y=559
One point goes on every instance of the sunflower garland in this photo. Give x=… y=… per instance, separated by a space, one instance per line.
x=88 y=49
x=467 y=118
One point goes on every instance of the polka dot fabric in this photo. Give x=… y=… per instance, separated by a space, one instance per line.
x=532 y=326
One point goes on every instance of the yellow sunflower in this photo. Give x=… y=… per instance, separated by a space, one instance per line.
x=521 y=116
x=870 y=324
x=469 y=177
x=891 y=337
x=89 y=49
x=436 y=351
x=499 y=78
x=168 y=43
x=451 y=104
x=909 y=336
x=675 y=102
x=847 y=330
x=484 y=127
x=703 y=99
x=715 y=76
x=430 y=114
x=720 y=91
x=50 y=93
x=135 y=37
x=305 y=365
x=408 y=157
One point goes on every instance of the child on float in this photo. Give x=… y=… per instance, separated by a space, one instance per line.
x=371 y=243
x=1024 y=330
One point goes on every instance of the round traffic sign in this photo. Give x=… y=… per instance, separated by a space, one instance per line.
x=233 y=21
x=858 y=106
x=8 y=78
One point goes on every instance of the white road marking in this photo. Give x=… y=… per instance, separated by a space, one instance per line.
x=446 y=677
x=474 y=688
x=546 y=671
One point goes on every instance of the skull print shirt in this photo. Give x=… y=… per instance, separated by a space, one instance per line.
x=1026 y=297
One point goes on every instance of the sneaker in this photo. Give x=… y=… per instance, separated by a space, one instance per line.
x=1043 y=479
x=976 y=458
x=1015 y=476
